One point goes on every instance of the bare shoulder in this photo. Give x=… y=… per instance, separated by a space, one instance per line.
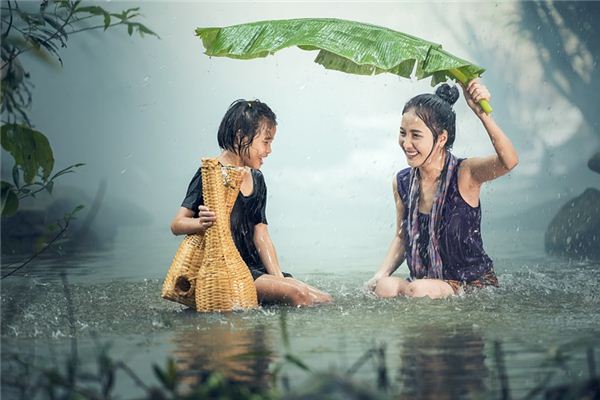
x=468 y=187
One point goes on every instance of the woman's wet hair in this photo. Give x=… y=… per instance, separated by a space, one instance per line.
x=242 y=123
x=435 y=110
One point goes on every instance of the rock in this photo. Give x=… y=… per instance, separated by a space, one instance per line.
x=575 y=230
x=594 y=162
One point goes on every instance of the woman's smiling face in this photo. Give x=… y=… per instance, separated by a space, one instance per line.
x=416 y=139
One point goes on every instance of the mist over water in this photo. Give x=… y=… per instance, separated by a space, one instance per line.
x=141 y=113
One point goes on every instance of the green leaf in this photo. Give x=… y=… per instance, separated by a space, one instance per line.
x=94 y=10
x=56 y=25
x=129 y=29
x=9 y=202
x=347 y=46
x=30 y=149
x=16 y=176
x=106 y=20
x=167 y=377
x=143 y=29
x=49 y=187
x=297 y=362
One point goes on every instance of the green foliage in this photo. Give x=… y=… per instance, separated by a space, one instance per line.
x=10 y=201
x=346 y=46
x=42 y=31
x=30 y=149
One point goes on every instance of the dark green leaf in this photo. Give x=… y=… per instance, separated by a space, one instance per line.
x=78 y=208
x=67 y=170
x=161 y=375
x=30 y=149
x=56 y=25
x=131 y=10
x=297 y=362
x=171 y=374
x=94 y=10
x=129 y=29
x=9 y=202
x=16 y=176
x=50 y=186
x=106 y=20
x=144 y=29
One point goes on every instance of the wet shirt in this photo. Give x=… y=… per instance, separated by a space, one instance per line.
x=461 y=245
x=247 y=212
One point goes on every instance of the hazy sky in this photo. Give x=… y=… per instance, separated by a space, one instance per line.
x=142 y=112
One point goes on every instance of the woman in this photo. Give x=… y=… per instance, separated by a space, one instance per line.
x=438 y=214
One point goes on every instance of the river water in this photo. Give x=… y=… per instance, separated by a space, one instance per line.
x=544 y=321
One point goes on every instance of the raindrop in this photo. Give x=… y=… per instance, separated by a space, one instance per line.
x=123 y=171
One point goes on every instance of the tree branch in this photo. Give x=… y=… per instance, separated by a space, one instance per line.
x=5 y=34
x=46 y=247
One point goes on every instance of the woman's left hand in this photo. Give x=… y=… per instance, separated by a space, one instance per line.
x=474 y=92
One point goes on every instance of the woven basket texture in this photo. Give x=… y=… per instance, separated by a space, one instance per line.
x=207 y=272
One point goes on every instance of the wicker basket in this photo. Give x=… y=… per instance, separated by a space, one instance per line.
x=207 y=272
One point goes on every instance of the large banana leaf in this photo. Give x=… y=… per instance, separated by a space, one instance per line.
x=346 y=46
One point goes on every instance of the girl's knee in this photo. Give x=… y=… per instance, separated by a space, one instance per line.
x=300 y=296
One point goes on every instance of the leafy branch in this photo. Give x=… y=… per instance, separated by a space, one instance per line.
x=61 y=225
x=44 y=32
x=41 y=30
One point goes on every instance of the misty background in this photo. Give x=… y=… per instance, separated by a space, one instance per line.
x=141 y=113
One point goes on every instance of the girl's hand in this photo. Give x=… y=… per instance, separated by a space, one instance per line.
x=206 y=218
x=474 y=92
x=372 y=283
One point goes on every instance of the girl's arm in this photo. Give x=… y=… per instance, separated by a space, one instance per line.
x=397 y=251
x=483 y=169
x=184 y=222
x=266 y=250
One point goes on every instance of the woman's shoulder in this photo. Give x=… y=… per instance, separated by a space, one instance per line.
x=403 y=173
x=403 y=181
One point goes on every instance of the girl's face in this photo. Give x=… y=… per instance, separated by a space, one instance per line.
x=416 y=139
x=260 y=148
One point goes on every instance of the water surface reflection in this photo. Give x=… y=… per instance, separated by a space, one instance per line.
x=232 y=346
x=442 y=362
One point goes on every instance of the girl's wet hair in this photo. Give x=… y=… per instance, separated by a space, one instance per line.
x=241 y=124
x=435 y=110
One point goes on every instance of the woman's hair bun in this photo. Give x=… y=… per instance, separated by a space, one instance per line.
x=448 y=93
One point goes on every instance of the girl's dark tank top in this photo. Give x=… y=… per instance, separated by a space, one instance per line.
x=461 y=245
x=247 y=212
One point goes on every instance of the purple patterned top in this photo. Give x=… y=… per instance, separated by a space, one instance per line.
x=461 y=245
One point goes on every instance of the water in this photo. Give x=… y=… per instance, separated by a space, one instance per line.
x=544 y=319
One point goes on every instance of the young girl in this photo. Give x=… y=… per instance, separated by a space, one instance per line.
x=245 y=136
x=438 y=214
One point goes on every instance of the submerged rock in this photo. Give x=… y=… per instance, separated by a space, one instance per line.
x=575 y=230
x=594 y=162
